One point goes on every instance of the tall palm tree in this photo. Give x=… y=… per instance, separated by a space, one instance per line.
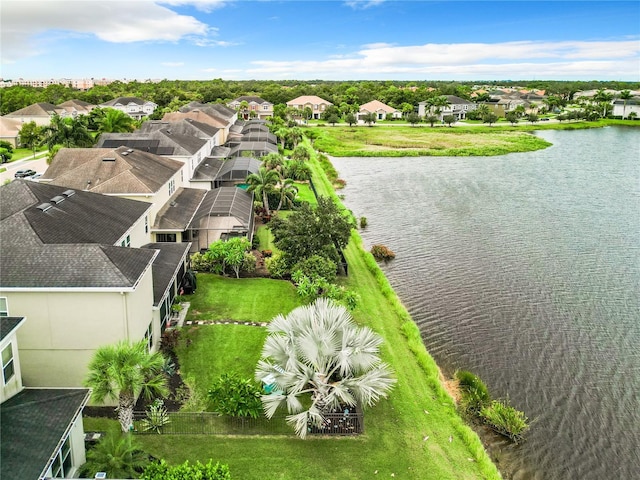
x=321 y=361
x=124 y=371
x=438 y=103
x=288 y=192
x=115 y=121
x=69 y=132
x=273 y=161
x=295 y=135
x=625 y=95
x=262 y=183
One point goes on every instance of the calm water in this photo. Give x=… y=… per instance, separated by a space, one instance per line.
x=525 y=269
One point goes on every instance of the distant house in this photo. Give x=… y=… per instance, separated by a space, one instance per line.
x=41 y=431
x=73 y=108
x=135 y=107
x=316 y=104
x=457 y=107
x=213 y=114
x=40 y=113
x=10 y=130
x=623 y=108
x=261 y=108
x=381 y=110
x=81 y=267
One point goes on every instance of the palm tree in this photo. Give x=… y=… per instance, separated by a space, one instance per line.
x=69 y=132
x=117 y=455
x=262 y=184
x=301 y=153
x=115 y=121
x=438 y=103
x=288 y=192
x=321 y=361
x=124 y=371
x=281 y=132
x=625 y=95
x=273 y=161
x=295 y=135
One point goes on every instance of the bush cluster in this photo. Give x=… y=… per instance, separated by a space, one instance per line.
x=163 y=471
x=381 y=252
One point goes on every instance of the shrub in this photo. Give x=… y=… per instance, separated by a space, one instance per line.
x=201 y=263
x=169 y=341
x=363 y=223
x=235 y=396
x=267 y=253
x=381 y=252
x=277 y=266
x=118 y=455
x=505 y=419
x=316 y=266
x=163 y=471
x=157 y=417
x=248 y=263
x=296 y=170
x=475 y=393
x=339 y=183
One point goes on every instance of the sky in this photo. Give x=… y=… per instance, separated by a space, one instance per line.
x=326 y=40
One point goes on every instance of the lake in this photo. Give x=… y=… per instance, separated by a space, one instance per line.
x=525 y=269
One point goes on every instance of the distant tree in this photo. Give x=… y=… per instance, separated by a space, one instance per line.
x=307 y=113
x=273 y=161
x=350 y=118
x=413 y=118
x=633 y=115
x=533 y=118
x=369 y=118
x=5 y=155
x=333 y=119
x=490 y=118
x=68 y=132
x=449 y=120
x=482 y=110
x=301 y=153
x=406 y=108
x=294 y=136
x=431 y=120
x=511 y=117
x=625 y=95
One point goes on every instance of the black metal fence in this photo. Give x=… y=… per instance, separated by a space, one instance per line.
x=209 y=423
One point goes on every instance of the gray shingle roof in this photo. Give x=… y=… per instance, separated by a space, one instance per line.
x=42 y=109
x=208 y=170
x=212 y=109
x=32 y=424
x=165 y=266
x=124 y=101
x=224 y=202
x=258 y=136
x=70 y=244
x=179 y=210
x=8 y=325
x=185 y=126
x=160 y=142
x=124 y=170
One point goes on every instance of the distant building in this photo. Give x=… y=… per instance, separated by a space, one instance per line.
x=135 y=107
x=316 y=104
x=261 y=108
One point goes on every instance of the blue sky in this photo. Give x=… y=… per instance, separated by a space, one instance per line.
x=329 y=40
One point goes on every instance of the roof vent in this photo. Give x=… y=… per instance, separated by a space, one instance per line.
x=130 y=150
x=124 y=154
x=109 y=159
x=57 y=199
x=69 y=193
x=44 y=206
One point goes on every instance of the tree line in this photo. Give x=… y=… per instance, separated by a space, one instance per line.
x=172 y=94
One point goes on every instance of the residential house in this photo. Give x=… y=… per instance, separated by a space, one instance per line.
x=121 y=171
x=10 y=130
x=458 y=107
x=187 y=126
x=316 y=104
x=80 y=266
x=256 y=107
x=212 y=114
x=381 y=110
x=40 y=113
x=623 y=108
x=187 y=149
x=135 y=107
x=41 y=430
x=73 y=108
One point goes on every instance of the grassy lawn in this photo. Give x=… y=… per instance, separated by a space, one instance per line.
x=20 y=153
x=265 y=237
x=424 y=141
x=415 y=433
x=248 y=299
x=305 y=193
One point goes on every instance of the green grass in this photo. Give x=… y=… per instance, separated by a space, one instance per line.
x=305 y=193
x=425 y=141
x=250 y=299
x=265 y=237
x=24 y=153
x=207 y=351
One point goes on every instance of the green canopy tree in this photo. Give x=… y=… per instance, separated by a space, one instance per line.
x=124 y=371
x=490 y=118
x=69 y=132
x=321 y=361
x=31 y=136
x=413 y=118
x=350 y=118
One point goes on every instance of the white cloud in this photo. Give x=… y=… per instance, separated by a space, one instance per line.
x=598 y=59
x=202 y=5
x=24 y=22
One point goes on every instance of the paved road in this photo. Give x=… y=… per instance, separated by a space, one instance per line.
x=39 y=164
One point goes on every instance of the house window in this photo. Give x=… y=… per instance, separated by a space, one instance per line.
x=126 y=242
x=166 y=237
x=62 y=462
x=146 y=224
x=148 y=336
x=172 y=182
x=7 y=364
x=265 y=107
x=4 y=307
